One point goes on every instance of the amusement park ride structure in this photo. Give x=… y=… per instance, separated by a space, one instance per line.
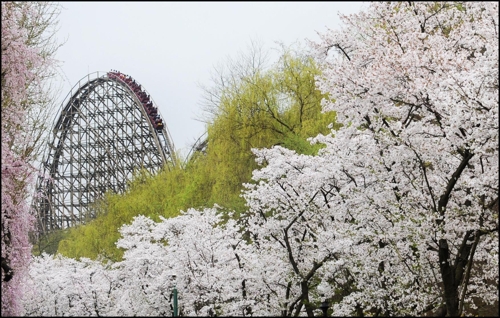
x=108 y=128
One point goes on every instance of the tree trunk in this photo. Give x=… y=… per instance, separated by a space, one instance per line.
x=449 y=282
x=305 y=299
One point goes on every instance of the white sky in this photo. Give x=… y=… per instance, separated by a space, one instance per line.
x=172 y=47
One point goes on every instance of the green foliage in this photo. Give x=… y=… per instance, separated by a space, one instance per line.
x=257 y=108
x=48 y=243
x=146 y=195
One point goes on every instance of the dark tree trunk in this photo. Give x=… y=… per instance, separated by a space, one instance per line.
x=305 y=298
x=8 y=272
x=448 y=275
x=453 y=274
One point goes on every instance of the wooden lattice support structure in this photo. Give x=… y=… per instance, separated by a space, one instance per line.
x=102 y=136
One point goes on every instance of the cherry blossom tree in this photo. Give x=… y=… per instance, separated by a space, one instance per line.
x=61 y=286
x=416 y=86
x=290 y=231
x=139 y=285
x=25 y=61
x=326 y=251
x=408 y=188
x=196 y=253
x=16 y=221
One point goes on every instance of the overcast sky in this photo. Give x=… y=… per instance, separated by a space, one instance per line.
x=172 y=47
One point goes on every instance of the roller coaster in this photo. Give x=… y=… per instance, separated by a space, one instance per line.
x=108 y=128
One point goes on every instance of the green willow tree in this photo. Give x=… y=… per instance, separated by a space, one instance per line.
x=251 y=107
